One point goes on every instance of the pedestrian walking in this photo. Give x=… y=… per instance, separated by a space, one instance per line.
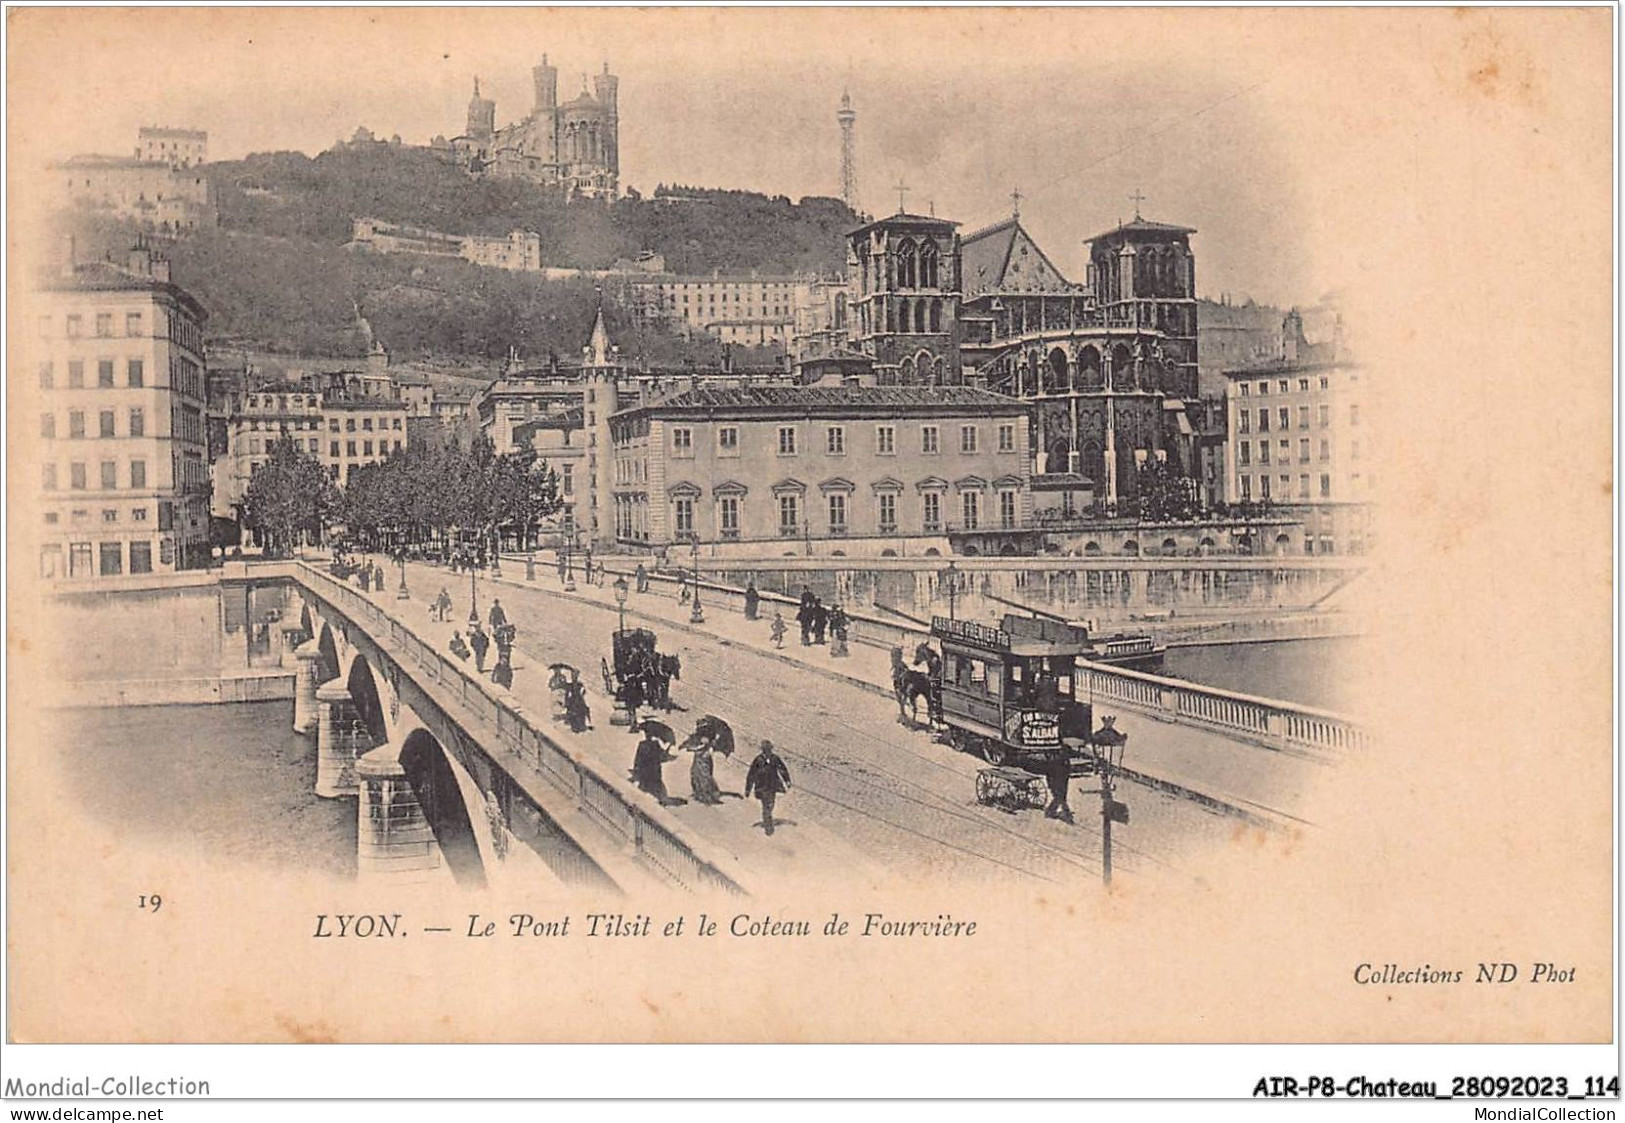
x=499 y=618
x=442 y=605
x=837 y=628
x=650 y=758
x=365 y=579
x=777 y=629
x=586 y=568
x=576 y=713
x=767 y=777
x=641 y=577
x=481 y=644
x=804 y=617
x=502 y=673
x=820 y=620
x=753 y=601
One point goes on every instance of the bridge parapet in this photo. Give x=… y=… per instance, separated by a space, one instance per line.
x=1265 y=721
x=618 y=836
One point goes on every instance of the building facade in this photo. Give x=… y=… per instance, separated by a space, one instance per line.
x=518 y=251
x=748 y=311
x=574 y=145
x=782 y=467
x=1299 y=440
x=116 y=377
x=179 y=148
x=157 y=196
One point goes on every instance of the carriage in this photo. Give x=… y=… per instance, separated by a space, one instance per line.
x=1007 y=693
x=639 y=675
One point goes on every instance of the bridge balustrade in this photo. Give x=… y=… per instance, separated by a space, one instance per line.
x=661 y=848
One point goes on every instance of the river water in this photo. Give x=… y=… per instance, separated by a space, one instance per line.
x=1306 y=671
x=235 y=778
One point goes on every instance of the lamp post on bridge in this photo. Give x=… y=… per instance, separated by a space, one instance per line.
x=1107 y=745
x=696 y=615
x=402 y=593
x=620 y=588
x=473 y=596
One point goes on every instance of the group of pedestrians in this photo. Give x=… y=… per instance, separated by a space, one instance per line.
x=479 y=641
x=815 y=620
x=767 y=778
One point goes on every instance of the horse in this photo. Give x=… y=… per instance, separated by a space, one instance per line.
x=668 y=667
x=909 y=686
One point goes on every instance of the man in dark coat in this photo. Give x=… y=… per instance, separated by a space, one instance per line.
x=804 y=615
x=481 y=644
x=820 y=620
x=767 y=777
x=641 y=577
x=753 y=600
x=499 y=618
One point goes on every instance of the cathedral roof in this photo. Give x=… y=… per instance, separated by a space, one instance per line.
x=1005 y=257
x=903 y=219
x=1142 y=226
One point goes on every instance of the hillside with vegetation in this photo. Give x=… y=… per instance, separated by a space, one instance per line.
x=275 y=275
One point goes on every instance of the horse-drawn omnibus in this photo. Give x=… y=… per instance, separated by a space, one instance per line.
x=1008 y=693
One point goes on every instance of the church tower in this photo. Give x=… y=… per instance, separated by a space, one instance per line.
x=606 y=91
x=906 y=292
x=482 y=115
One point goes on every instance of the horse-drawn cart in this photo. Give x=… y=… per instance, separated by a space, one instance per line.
x=639 y=675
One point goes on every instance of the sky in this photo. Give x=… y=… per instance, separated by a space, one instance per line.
x=1078 y=109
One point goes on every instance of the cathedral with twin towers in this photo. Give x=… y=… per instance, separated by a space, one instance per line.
x=574 y=146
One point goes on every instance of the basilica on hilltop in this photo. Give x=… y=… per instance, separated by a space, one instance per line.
x=574 y=146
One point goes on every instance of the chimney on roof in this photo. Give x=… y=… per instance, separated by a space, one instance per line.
x=70 y=255
x=141 y=260
x=160 y=269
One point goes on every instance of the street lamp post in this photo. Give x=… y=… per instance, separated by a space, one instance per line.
x=620 y=600
x=569 y=563
x=496 y=553
x=696 y=616
x=401 y=593
x=1108 y=747
x=953 y=587
x=473 y=596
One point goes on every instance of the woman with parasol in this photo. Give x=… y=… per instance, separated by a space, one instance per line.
x=711 y=734
x=651 y=757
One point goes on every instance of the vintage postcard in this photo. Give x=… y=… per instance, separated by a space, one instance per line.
x=810 y=525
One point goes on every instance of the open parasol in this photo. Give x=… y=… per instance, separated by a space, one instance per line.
x=563 y=673
x=713 y=729
x=658 y=730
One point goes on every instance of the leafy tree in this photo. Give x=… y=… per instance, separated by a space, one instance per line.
x=1164 y=493
x=290 y=494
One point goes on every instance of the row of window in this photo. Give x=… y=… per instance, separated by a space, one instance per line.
x=107 y=424
x=135 y=374
x=1284 y=385
x=109 y=515
x=1283 y=489
x=1244 y=451
x=682 y=440
x=105 y=559
x=1283 y=416
x=74 y=325
x=729 y=509
x=78 y=475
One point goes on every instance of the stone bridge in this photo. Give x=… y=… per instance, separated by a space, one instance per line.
x=451 y=782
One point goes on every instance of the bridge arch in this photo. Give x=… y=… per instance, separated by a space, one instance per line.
x=369 y=705
x=443 y=795
x=328 y=649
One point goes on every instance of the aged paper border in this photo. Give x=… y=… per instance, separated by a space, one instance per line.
x=1516 y=95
